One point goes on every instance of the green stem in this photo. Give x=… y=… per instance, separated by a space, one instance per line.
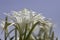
x=5 y=35
x=15 y=34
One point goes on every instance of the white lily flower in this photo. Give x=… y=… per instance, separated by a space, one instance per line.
x=27 y=16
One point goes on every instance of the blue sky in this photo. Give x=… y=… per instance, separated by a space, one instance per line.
x=49 y=8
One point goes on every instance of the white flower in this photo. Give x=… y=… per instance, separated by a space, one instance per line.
x=27 y=16
x=30 y=17
x=17 y=38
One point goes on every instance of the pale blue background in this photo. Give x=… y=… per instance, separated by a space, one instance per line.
x=49 y=8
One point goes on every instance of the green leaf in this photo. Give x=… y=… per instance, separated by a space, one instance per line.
x=17 y=26
x=33 y=26
x=15 y=34
x=56 y=38
x=50 y=32
x=9 y=33
x=12 y=38
x=52 y=36
x=5 y=27
x=25 y=31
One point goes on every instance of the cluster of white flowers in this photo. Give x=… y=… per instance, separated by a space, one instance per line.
x=26 y=16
